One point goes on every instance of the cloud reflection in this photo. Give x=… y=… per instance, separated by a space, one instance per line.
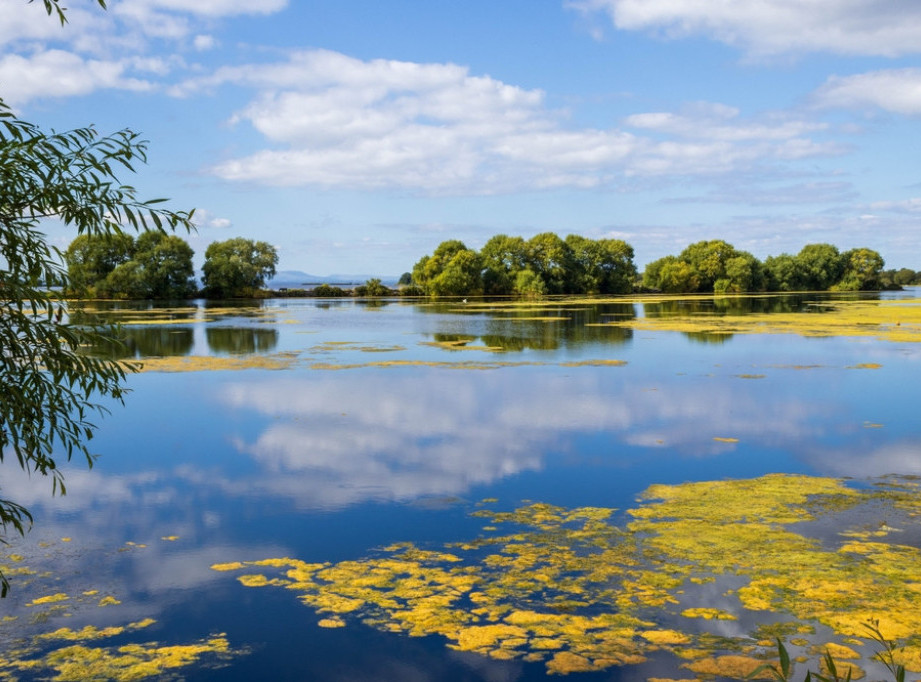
x=396 y=437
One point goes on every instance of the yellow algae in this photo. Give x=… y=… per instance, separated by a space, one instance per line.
x=50 y=599
x=201 y=363
x=229 y=566
x=866 y=365
x=889 y=320
x=170 y=538
x=595 y=363
x=88 y=632
x=708 y=614
x=65 y=539
x=334 y=622
x=836 y=651
x=722 y=439
x=564 y=662
x=737 y=667
x=571 y=583
x=666 y=637
x=108 y=601
x=131 y=662
x=15 y=557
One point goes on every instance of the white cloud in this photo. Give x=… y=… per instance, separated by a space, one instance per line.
x=894 y=90
x=211 y=8
x=204 y=218
x=337 y=121
x=770 y=27
x=203 y=43
x=57 y=73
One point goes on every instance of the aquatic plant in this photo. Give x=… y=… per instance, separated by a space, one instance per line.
x=572 y=589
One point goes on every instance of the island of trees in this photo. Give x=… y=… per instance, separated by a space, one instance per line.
x=158 y=265
x=547 y=264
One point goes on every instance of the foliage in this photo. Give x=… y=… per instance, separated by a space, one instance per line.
x=238 y=268
x=544 y=264
x=49 y=388
x=716 y=266
x=328 y=291
x=372 y=289
x=503 y=258
x=91 y=258
x=155 y=266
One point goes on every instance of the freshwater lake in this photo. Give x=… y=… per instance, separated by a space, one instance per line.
x=368 y=459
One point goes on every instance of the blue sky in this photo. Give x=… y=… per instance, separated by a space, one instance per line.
x=356 y=135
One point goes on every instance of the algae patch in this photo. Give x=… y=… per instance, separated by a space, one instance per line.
x=575 y=590
x=47 y=646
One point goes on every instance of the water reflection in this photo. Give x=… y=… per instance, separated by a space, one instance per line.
x=541 y=327
x=357 y=437
x=241 y=340
x=146 y=342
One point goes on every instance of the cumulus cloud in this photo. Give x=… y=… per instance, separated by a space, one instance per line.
x=57 y=73
x=337 y=121
x=771 y=27
x=894 y=90
x=204 y=218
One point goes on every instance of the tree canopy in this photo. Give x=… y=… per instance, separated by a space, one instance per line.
x=238 y=268
x=544 y=264
x=156 y=265
x=716 y=266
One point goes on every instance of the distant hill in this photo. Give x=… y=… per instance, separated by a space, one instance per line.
x=297 y=279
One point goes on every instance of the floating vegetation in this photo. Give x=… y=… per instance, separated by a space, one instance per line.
x=572 y=589
x=41 y=648
x=202 y=363
x=461 y=344
x=888 y=320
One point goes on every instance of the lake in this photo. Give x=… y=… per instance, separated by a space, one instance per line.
x=643 y=488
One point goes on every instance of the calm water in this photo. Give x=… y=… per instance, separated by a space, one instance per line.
x=381 y=431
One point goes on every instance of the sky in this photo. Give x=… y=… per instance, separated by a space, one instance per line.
x=357 y=135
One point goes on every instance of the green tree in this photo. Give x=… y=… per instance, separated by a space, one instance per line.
x=49 y=389
x=165 y=264
x=708 y=259
x=373 y=289
x=862 y=269
x=678 y=277
x=91 y=258
x=503 y=258
x=529 y=284
x=452 y=270
x=237 y=268
x=653 y=272
x=603 y=266
x=782 y=273
x=819 y=266
x=461 y=276
x=551 y=257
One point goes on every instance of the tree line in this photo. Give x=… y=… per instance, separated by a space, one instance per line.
x=717 y=266
x=547 y=264
x=543 y=264
x=158 y=265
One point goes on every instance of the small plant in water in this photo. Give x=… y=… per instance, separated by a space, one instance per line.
x=782 y=671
